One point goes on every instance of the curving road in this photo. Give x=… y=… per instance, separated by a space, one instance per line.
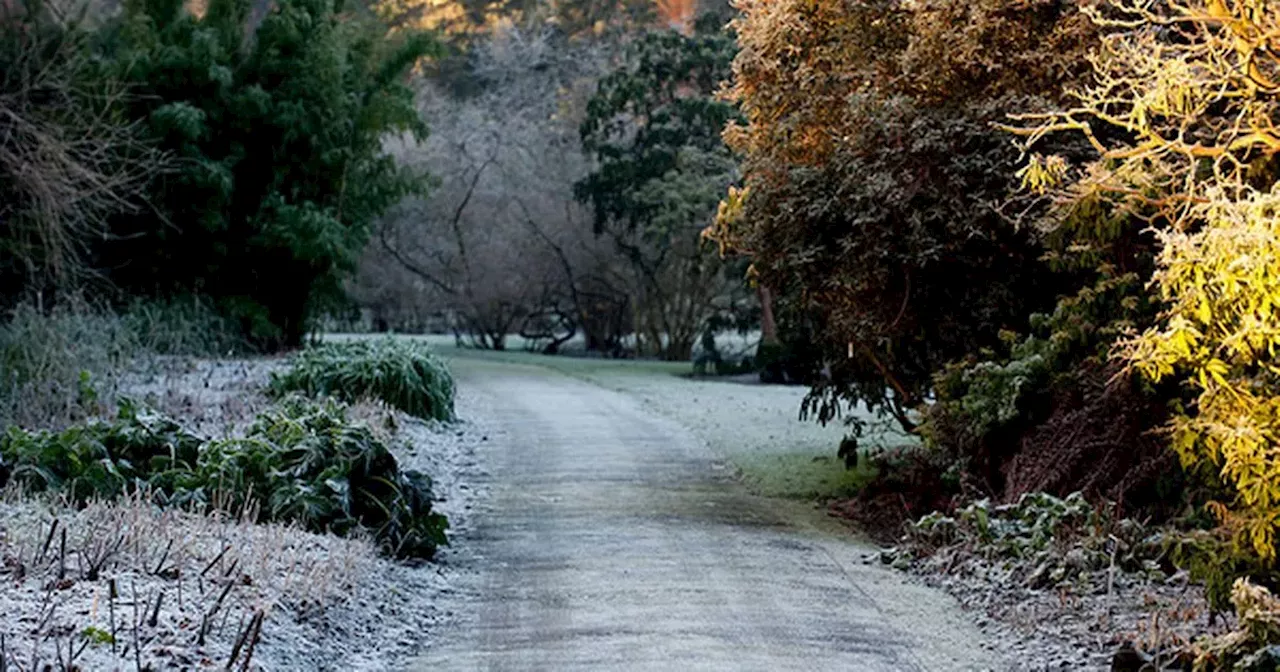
x=612 y=539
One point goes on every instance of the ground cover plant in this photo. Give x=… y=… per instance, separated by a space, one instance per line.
x=402 y=373
x=1048 y=540
x=301 y=462
x=1100 y=589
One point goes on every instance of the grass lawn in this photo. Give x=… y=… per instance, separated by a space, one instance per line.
x=754 y=428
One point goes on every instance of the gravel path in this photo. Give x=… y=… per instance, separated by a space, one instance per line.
x=611 y=538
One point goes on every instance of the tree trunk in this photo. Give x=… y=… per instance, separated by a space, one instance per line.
x=768 y=324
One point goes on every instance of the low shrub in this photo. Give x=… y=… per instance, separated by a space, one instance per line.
x=304 y=462
x=1043 y=540
x=402 y=373
x=99 y=459
x=301 y=462
x=1054 y=414
x=1213 y=559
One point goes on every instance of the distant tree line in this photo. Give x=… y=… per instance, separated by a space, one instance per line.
x=576 y=173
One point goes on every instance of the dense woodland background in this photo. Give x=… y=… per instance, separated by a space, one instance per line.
x=1039 y=235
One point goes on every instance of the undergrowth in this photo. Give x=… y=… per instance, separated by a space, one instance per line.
x=188 y=326
x=1044 y=541
x=404 y=374
x=62 y=365
x=301 y=462
x=1075 y=549
x=55 y=365
x=1251 y=645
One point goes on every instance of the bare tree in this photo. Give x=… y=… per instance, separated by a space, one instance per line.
x=67 y=162
x=501 y=245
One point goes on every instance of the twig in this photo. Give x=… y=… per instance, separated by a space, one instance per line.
x=53 y=528
x=207 y=621
x=181 y=564
x=243 y=631
x=248 y=634
x=253 y=641
x=155 y=611
x=79 y=652
x=231 y=568
x=111 y=606
x=1111 y=571
x=57 y=655
x=45 y=618
x=163 y=557
x=215 y=561
x=137 y=642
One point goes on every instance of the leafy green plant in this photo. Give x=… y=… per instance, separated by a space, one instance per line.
x=100 y=459
x=1050 y=412
x=97 y=636
x=978 y=398
x=301 y=462
x=1213 y=560
x=1049 y=539
x=304 y=462
x=402 y=373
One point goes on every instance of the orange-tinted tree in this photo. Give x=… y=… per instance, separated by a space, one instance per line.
x=874 y=178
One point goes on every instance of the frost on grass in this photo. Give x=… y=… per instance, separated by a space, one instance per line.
x=212 y=397
x=126 y=584
x=326 y=602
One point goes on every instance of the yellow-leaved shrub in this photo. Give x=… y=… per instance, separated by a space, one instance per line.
x=1222 y=284
x=1182 y=113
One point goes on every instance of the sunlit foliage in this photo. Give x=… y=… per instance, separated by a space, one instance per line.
x=873 y=177
x=1181 y=116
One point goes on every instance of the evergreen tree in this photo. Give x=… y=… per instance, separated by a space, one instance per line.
x=278 y=129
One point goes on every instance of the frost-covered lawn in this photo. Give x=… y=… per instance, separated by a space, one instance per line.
x=753 y=427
